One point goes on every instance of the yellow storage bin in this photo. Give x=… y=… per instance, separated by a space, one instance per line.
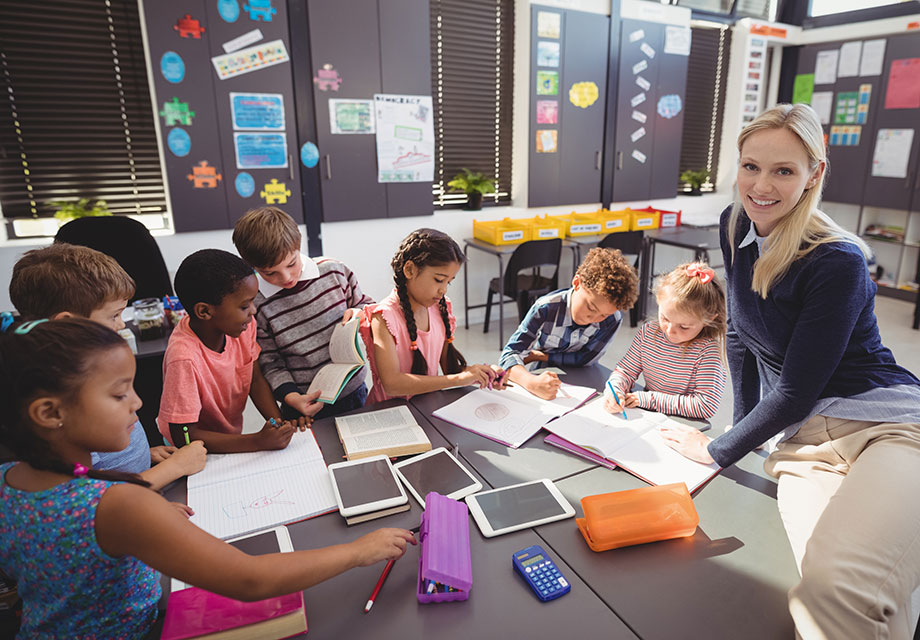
x=500 y=232
x=584 y=224
x=615 y=221
x=547 y=228
x=644 y=220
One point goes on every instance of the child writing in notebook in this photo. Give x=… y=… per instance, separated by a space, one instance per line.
x=410 y=332
x=680 y=355
x=86 y=546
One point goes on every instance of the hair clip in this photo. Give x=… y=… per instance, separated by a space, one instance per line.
x=28 y=326
x=705 y=274
x=413 y=346
x=79 y=470
x=6 y=319
x=450 y=340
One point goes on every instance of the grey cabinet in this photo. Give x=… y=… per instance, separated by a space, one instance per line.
x=366 y=49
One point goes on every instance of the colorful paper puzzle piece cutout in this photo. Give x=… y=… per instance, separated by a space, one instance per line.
x=176 y=112
x=275 y=192
x=189 y=26
x=327 y=78
x=204 y=176
x=260 y=10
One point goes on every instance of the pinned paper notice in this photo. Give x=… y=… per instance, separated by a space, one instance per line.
x=640 y=66
x=873 y=57
x=892 y=152
x=636 y=35
x=848 y=65
x=638 y=116
x=677 y=40
x=546 y=141
x=242 y=41
x=637 y=134
x=638 y=155
x=637 y=99
x=826 y=67
x=822 y=102
x=643 y=83
x=647 y=50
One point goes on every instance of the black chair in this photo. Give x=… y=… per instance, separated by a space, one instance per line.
x=524 y=289
x=130 y=243
x=629 y=243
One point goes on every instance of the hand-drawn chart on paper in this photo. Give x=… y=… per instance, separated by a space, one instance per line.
x=405 y=138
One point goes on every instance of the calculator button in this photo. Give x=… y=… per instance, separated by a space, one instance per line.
x=528 y=569
x=563 y=583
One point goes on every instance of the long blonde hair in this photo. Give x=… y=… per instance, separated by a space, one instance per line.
x=804 y=227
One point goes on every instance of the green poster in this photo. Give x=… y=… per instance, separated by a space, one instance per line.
x=547 y=83
x=845 y=112
x=803 y=88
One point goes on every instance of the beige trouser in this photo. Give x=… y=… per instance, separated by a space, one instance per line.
x=848 y=496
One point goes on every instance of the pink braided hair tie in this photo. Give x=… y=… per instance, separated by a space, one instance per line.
x=80 y=470
x=705 y=274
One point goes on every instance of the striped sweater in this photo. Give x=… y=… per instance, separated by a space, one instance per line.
x=295 y=325
x=685 y=380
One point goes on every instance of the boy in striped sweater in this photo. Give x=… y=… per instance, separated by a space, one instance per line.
x=681 y=355
x=299 y=303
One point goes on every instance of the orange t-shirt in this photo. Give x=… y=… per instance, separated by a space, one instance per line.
x=203 y=386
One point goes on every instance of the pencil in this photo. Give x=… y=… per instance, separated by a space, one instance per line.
x=613 y=391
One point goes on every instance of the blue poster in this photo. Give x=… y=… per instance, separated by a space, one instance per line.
x=179 y=142
x=309 y=155
x=172 y=67
x=257 y=111
x=245 y=185
x=260 y=150
x=229 y=10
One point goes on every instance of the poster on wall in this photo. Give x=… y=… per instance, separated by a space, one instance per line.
x=547 y=54
x=548 y=24
x=892 y=153
x=248 y=60
x=351 y=116
x=547 y=112
x=260 y=150
x=405 y=138
x=260 y=111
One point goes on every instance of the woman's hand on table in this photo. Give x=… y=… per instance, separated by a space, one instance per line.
x=687 y=441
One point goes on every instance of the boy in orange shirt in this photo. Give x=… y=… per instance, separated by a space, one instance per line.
x=211 y=362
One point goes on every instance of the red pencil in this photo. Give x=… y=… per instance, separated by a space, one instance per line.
x=383 y=576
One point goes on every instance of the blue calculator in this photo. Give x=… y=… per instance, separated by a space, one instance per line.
x=540 y=573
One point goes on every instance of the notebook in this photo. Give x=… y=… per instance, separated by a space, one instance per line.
x=237 y=493
x=347 y=354
x=561 y=443
x=391 y=432
x=196 y=613
x=510 y=417
x=634 y=444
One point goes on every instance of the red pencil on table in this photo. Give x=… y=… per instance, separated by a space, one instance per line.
x=383 y=576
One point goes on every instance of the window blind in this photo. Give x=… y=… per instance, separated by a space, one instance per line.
x=75 y=113
x=472 y=72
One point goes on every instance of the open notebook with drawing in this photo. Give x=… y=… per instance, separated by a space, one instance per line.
x=237 y=493
x=513 y=416
x=634 y=444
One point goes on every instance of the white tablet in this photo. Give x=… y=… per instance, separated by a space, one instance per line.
x=518 y=507
x=439 y=471
x=365 y=485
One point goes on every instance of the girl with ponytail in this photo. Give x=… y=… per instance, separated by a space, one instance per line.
x=86 y=546
x=411 y=332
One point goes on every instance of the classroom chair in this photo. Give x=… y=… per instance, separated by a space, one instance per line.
x=130 y=243
x=525 y=288
x=629 y=243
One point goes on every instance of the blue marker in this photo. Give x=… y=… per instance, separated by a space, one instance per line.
x=610 y=386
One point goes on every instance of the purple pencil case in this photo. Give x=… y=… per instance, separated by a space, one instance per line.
x=445 y=567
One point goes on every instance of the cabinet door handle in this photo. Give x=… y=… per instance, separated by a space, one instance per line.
x=597 y=160
x=328 y=167
x=619 y=159
x=290 y=168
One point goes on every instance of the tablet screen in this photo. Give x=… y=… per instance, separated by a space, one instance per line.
x=518 y=505
x=363 y=483
x=260 y=544
x=437 y=472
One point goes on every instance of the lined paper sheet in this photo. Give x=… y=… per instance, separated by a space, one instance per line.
x=239 y=493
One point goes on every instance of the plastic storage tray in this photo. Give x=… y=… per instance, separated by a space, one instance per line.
x=615 y=221
x=546 y=228
x=444 y=538
x=637 y=516
x=499 y=232
x=644 y=219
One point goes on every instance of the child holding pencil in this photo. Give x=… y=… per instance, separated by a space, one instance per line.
x=85 y=545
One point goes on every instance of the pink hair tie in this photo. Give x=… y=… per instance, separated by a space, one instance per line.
x=80 y=470
x=705 y=274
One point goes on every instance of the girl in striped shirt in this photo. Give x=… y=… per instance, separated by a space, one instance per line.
x=681 y=355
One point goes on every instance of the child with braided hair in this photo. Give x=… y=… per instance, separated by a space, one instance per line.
x=410 y=332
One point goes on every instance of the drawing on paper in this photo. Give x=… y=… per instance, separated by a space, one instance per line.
x=238 y=509
x=492 y=412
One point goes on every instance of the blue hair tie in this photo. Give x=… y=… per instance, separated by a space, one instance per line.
x=6 y=319
x=23 y=329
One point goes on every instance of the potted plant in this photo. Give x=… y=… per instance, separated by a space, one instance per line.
x=695 y=179
x=474 y=184
x=68 y=210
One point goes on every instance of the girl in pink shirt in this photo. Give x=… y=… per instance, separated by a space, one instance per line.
x=410 y=332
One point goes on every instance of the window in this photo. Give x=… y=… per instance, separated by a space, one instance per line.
x=829 y=7
x=75 y=114
x=472 y=44
x=707 y=71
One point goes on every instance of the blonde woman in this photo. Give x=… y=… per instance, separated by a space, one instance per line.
x=807 y=362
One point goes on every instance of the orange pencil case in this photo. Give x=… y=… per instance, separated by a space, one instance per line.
x=637 y=516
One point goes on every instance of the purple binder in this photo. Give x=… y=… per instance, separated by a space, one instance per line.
x=444 y=536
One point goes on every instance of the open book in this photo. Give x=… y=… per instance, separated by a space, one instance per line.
x=237 y=493
x=347 y=355
x=391 y=432
x=513 y=416
x=634 y=444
